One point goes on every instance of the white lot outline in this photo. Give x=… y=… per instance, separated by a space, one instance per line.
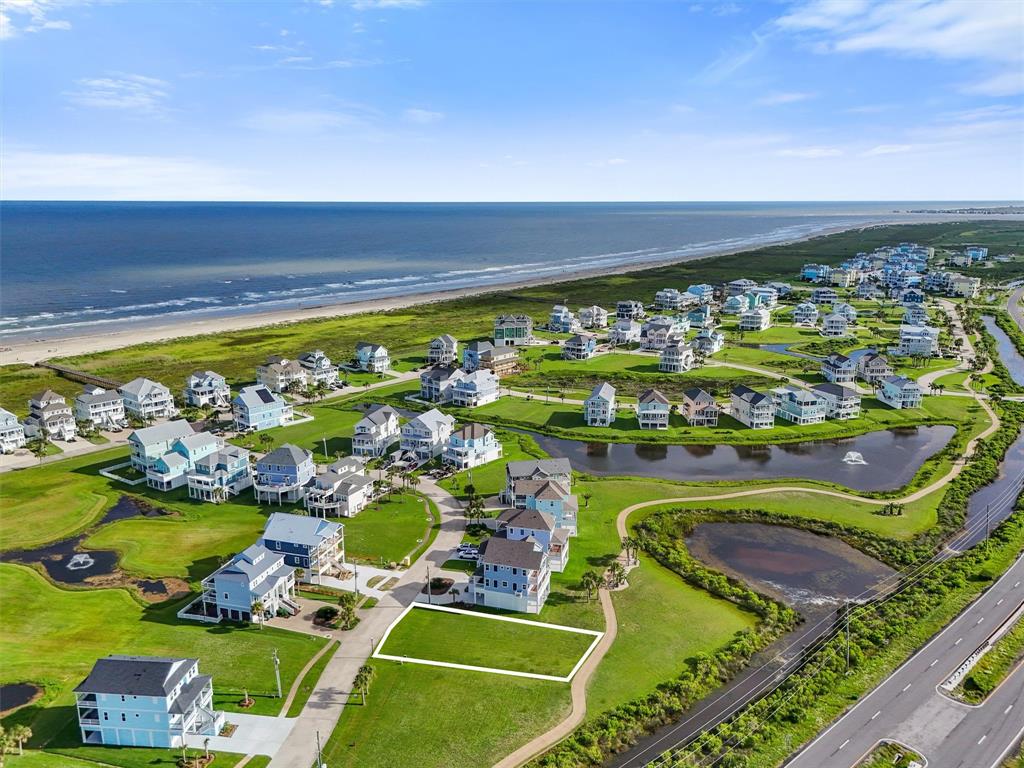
x=493 y=670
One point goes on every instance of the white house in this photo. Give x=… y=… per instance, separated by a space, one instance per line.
x=660 y=330
x=758 y=319
x=425 y=436
x=838 y=369
x=377 y=431
x=373 y=358
x=474 y=389
x=341 y=490
x=653 y=410
x=50 y=417
x=207 y=389
x=444 y=350
x=918 y=341
x=752 y=409
x=562 y=320
x=709 y=341
x=846 y=311
x=599 y=408
x=798 y=406
x=471 y=446
x=254 y=575
x=841 y=403
x=834 y=325
x=805 y=313
x=146 y=399
x=624 y=332
x=668 y=298
x=12 y=433
x=676 y=357
x=437 y=384
x=629 y=310
x=279 y=374
x=594 y=317
x=103 y=407
x=319 y=368
x=872 y=367
x=899 y=392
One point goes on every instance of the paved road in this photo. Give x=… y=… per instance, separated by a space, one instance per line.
x=908 y=708
x=331 y=695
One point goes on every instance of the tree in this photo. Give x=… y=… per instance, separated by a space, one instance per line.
x=257 y=609
x=362 y=680
x=21 y=734
x=587 y=496
x=616 y=574
x=266 y=441
x=590 y=581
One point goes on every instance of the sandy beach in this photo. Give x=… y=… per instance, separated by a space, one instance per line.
x=34 y=350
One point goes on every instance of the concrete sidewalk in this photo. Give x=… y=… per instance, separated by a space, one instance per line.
x=255 y=735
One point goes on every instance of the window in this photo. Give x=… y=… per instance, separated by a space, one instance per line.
x=122 y=698
x=124 y=718
x=504 y=584
x=106 y=715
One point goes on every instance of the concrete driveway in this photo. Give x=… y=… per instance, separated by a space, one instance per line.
x=255 y=735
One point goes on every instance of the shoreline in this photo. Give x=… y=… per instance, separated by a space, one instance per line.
x=32 y=351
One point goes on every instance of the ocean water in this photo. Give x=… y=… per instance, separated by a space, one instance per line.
x=73 y=268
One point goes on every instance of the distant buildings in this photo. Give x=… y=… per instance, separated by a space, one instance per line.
x=256 y=407
x=279 y=374
x=207 y=389
x=50 y=417
x=513 y=330
x=145 y=701
x=103 y=408
x=376 y=432
x=599 y=408
x=594 y=317
x=705 y=293
x=824 y=296
x=629 y=310
x=373 y=358
x=752 y=409
x=816 y=273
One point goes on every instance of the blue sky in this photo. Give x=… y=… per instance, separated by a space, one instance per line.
x=440 y=100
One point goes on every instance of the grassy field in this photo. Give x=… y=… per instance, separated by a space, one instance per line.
x=483 y=642
x=389 y=532
x=55 y=635
x=117 y=757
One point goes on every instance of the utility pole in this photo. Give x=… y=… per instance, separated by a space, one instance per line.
x=988 y=520
x=847 y=607
x=277 y=672
x=319 y=756
x=429 y=601
x=356 y=567
x=326 y=457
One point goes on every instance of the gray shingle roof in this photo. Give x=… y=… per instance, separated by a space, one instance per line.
x=299 y=529
x=286 y=455
x=698 y=395
x=605 y=391
x=652 y=396
x=538 y=468
x=517 y=554
x=533 y=519
x=135 y=675
x=472 y=432
x=168 y=431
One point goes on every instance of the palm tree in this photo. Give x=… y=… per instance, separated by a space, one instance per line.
x=616 y=574
x=590 y=581
x=206 y=748
x=587 y=496
x=362 y=680
x=21 y=734
x=256 y=610
x=266 y=441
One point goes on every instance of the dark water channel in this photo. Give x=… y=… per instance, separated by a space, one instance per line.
x=16 y=695
x=1007 y=350
x=876 y=461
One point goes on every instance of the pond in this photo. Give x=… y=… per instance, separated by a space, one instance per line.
x=1007 y=350
x=891 y=458
x=16 y=695
x=804 y=570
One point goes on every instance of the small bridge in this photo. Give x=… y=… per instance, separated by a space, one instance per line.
x=79 y=376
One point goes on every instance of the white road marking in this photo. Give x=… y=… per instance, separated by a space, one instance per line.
x=848 y=741
x=1000 y=601
x=958 y=642
x=933 y=664
x=982 y=738
x=1007 y=710
x=880 y=712
x=1016 y=585
x=979 y=621
x=905 y=688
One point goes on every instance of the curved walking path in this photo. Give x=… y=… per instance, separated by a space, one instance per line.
x=302 y=676
x=549 y=738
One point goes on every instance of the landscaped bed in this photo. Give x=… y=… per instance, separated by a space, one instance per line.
x=483 y=640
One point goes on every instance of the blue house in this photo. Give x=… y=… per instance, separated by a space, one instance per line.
x=145 y=701
x=313 y=544
x=550 y=497
x=257 y=407
x=220 y=475
x=284 y=474
x=815 y=273
x=703 y=291
x=471 y=446
x=562 y=320
x=839 y=369
x=701 y=317
x=472 y=353
x=513 y=575
x=150 y=443
x=171 y=470
x=518 y=524
x=254 y=575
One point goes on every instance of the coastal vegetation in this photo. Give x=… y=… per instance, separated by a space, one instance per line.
x=993 y=667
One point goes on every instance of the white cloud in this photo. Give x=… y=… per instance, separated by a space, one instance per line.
x=810 y=153
x=97 y=176
x=732 y=60
x=422 y=116
x=137 y=93
x=888 y=149
x=19 y=16
x=985 y=31
x=776 y=99
x=304 y=122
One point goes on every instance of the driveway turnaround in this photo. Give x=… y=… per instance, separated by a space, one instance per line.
x=255 y=735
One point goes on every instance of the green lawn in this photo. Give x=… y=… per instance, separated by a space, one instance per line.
x=55 y=636
x=118 y=757
x=485 y=642
x=390 y=533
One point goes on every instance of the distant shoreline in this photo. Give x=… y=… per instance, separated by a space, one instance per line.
x=31 y=351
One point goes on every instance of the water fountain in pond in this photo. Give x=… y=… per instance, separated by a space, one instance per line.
x=854 y=457
x=80 y=562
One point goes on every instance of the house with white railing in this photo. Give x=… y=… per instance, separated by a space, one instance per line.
x=207 y=389
x=12 y=433
x=147 y=399
x=376 y=432
x=104 y=408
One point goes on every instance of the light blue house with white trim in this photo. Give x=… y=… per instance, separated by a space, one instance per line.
x=798 y=406
x=512 y=575
x=150 y=443
x=899 y=392
x=471 y=446
x=284 y=474
x=519 y=524
x=702 y=317
x=372 y=357
x=704 y=292
x=145 y=701
x=315 y=545
x=257 y=407
x=253 y=575
x=220 y=475
x=171 y=470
